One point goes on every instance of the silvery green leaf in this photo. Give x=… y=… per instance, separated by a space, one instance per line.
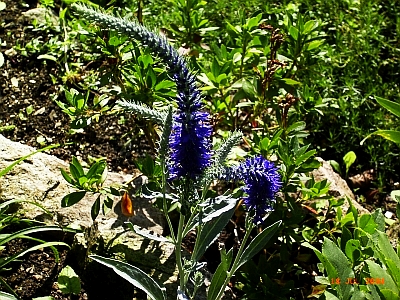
x=143 y=110
x=181 y=295
x=257 y=244
x=6 y=296
x=135 y=276
x=145 y=233
x=211 y=209
x=210 y=231
x=149 y=194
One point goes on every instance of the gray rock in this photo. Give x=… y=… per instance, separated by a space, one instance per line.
x=42 y=15
x=39 y=179
x=338 y=187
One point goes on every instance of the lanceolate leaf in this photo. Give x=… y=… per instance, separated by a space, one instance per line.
x=95 y=208
x=6 y=296
x=341 y=266
x=11 y=166
x=377 y=272
x=72 y=198
x=217 y=281
x=209 y=232
x=213 y=210
x=257 y=244
x=145 y=233
x=134 y=275
x=391 y=106
x=390 y=135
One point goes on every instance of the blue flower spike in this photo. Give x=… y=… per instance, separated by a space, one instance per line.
x=262 y=182
x=190 y=140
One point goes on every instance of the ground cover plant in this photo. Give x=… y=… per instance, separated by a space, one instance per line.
x=297 y=78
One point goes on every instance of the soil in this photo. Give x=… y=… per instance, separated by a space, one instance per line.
x=25 y=83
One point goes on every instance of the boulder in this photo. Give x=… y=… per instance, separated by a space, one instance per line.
x=338 y=186
x=39 y=179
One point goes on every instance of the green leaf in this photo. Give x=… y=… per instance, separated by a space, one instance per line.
x=346 y=236
x=335 y=165
x=209 y=232
x=353 y=250
x=11 y=166
x=379 y=219
x=41 y=298
x=349 y=159
x=217 y=282
x=68 y=281
x=134 y=276
x=72 y=198
x=290 y=81
x=94 y=212
x=93 y=170
x=77 y=165
x=389 y=294
x=212 y=210
x=249 y=89
x=165 y=84
x=257 y=244
x=376 y=271
x=384 y=250
x=66 y=176
x=34 y=229
x=6 y=296
x=340 y=265
x=314 y=44
x=103 y=176
x=395 y=196
x=367 y=223
x=308 y=27
x=75 y=171
x=298 y=126
x=305 y=157
x=294 y=32
x=390 y=135
x=107 y=205
x=391 y=106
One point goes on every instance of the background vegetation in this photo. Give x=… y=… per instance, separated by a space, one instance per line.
x=299 y=78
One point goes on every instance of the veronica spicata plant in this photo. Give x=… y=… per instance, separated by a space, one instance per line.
x=189 y=166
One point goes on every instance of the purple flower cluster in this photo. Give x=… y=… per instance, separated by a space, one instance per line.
x=262 y=182
x=190 y=139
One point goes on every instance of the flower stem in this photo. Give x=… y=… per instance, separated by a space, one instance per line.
x=178 y=252
x=235 y=265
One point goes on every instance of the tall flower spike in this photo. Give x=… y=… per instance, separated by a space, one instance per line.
x=190 y=140
x=262 y=182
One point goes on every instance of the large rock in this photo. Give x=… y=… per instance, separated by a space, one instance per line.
x=39 y=179
x=338 y=186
